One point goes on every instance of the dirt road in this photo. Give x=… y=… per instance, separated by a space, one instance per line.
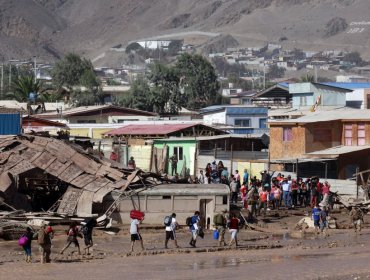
x=273 y=254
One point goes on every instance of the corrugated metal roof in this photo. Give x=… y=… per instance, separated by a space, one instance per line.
x=328 y=115
x=145 y=129
x=348 y=85
x=339 y=150
x=246 y=111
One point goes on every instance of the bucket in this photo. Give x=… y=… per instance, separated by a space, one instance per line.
x=216 y=235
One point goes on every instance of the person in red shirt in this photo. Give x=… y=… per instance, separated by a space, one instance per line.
x=243 y=194
x=114 y=156
x=263 y=201
x=233 y=229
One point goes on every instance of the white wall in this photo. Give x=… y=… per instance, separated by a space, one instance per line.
x=356 y=95
x=219 y=117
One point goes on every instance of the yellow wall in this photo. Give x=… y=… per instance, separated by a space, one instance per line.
x=141 y=155
x=254 y=168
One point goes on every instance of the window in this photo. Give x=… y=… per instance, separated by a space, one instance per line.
x=361 y=134
x=242 y=122
x=178 y=152
x=348 y=135
x=263 y=123
x=287 y=134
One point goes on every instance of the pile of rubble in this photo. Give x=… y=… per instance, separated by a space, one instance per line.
x=61 y=179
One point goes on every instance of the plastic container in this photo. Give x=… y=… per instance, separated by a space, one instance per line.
x=216 y=235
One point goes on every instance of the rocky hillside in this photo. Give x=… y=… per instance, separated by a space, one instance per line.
x=50 y=28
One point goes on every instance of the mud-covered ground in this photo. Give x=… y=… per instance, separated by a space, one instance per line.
x=275 y=251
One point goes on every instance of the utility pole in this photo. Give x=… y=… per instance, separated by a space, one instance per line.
x=10 y=74
x=2 y=80
x=35 y=68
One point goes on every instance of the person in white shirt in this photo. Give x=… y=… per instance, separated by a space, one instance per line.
x=171 y=231
x=135 y=235
x=201 y=177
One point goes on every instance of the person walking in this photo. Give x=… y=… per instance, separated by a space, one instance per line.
x=72 y=233
x=357 y=218
x=220 y=221
x=44 y=236
x=193 y=228
x=171 y=231
x=27 y=247
x=286 y=192
x=87 y=229
x=245 y=177
x=316 y=218
x=135 y=235
x=233 y=229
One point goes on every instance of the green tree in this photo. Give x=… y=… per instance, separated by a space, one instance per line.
x=307 y=79
x=22 y=87
x=140 y=95
x=275 y=72
x=73 y=71
x=165 y=91
x=198 y=81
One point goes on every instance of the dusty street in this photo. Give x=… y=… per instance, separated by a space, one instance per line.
x=273 y=254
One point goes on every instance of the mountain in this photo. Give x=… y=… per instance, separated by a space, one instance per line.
x=50 y=28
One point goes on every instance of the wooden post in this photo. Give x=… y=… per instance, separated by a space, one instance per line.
x=296 y=168
x=357 y=171
x=232 y=159
x=215 y=151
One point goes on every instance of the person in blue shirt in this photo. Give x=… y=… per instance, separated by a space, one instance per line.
x=316 y=217
x=194 y=228
x=245 y=177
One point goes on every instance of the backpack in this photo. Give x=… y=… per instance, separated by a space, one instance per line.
x=22 y=240
x=218 y=220
x=167 y=221
x=85 y=230
x=188 y=221
x=41 y=236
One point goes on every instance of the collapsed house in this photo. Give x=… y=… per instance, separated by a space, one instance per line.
x=41 y=173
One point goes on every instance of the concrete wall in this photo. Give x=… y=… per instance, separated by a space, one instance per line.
x=157 y=207
x=219 y=117
x=142 y=156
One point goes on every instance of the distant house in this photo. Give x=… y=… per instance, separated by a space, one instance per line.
x=243 y=119
x=32 y=123
x=315 y=94
x=274 y=96
x=194 y=153
x=358 y=94
x=97 y=114
x=136 y=140
x=330 y=143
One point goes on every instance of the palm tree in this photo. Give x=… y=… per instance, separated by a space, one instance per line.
x=26 y=89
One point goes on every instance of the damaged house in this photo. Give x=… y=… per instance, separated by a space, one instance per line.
x=40 y=173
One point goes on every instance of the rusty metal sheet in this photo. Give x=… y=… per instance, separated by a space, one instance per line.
x=12 y=161
x=30 y=155
x=86 y=164
x=41 y=141
x=7 y=143
x=44 y=160
x=70 y=173
x=99 y=195
x=21 y=167
x=119 y=184
x=66 y=148
x=5 y=182
x=57 y=167
x=35 y=147
x=97 y=184
x=111 y=172
x=83 y=180
x=85 y=202
x=4 y=156
x=20 y=148
x=69 y=201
